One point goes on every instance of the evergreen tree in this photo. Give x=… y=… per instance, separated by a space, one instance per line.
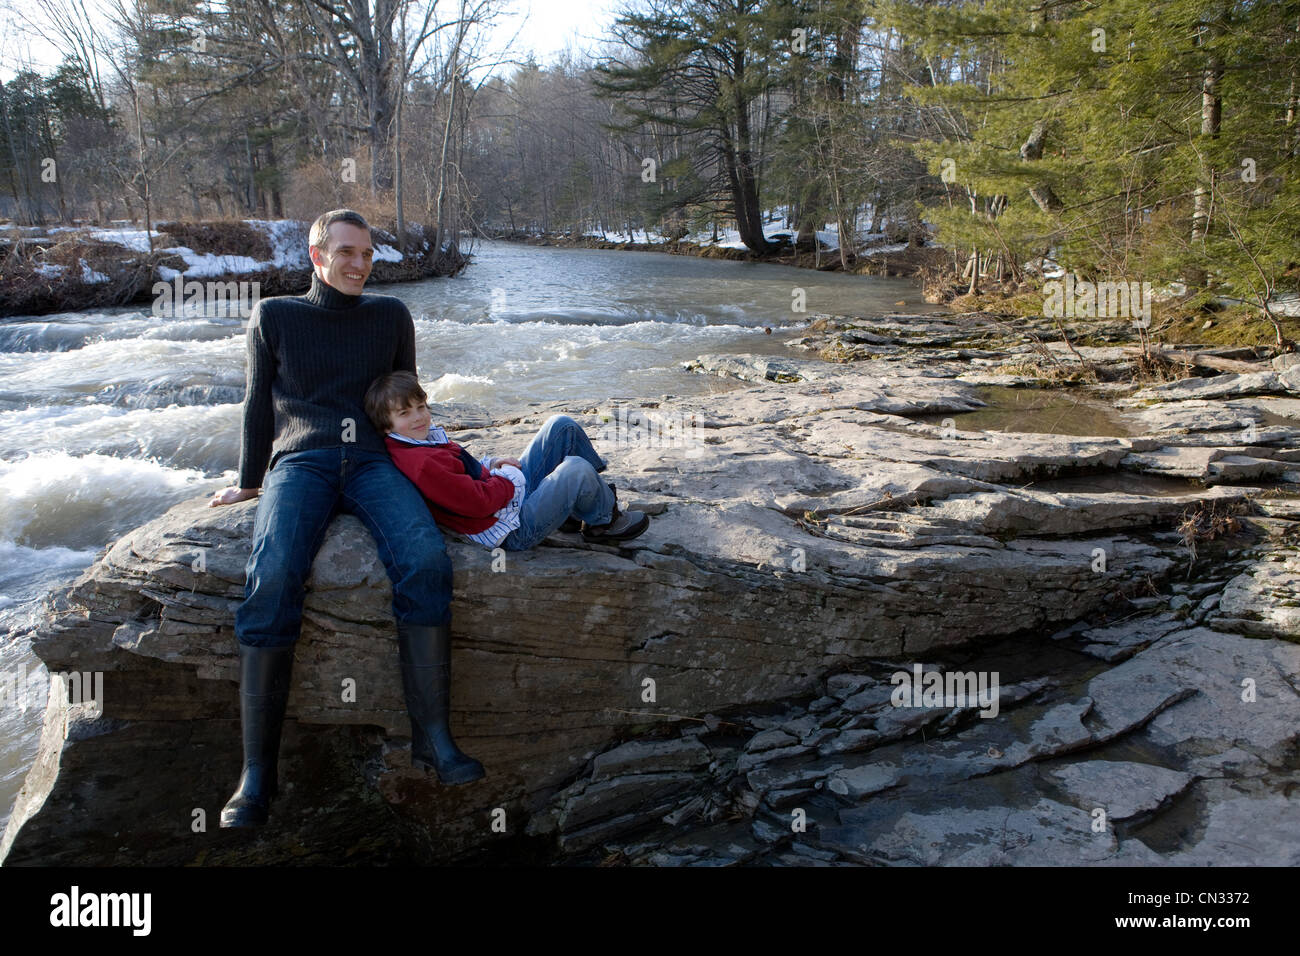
x=700 y=71
x=1116 y=134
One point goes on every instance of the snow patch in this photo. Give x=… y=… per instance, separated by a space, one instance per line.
x=89 y=275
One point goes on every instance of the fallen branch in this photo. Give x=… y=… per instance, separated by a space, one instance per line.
x=1201 y=360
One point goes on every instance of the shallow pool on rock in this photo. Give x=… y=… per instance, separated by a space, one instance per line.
x=1039 y=411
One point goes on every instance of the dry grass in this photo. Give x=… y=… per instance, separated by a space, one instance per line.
x=1061 y=372
x=1019 y=301
x=1174 y=322
x=1234 y=326
x=221 y=238
x=28 y=291
x=1209 y=522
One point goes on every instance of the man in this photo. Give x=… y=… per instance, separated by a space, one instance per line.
x=310 y=359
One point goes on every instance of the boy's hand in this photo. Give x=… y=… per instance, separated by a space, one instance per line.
x=229 y=496
x=498 y=462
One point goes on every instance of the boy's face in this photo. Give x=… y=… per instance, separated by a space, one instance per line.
x=412 y=421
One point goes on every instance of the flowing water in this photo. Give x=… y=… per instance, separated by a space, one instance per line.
x=108 y=418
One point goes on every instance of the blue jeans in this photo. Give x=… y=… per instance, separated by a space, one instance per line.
x=560 y=467
x=300 y=497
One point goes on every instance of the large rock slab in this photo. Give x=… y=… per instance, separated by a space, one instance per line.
x=800 y=529
x=1264 y=601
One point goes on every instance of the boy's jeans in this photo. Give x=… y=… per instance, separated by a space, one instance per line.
x=300 y=496
x=560 y=466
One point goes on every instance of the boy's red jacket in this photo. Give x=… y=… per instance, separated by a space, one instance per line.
x=461 y=494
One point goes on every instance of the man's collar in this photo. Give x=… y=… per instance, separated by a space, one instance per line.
x=327 y=297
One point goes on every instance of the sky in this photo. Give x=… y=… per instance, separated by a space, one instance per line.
x=553 y=22
x=545 y=27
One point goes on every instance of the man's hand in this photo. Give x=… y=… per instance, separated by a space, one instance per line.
x=230 y=495
x=498 y=462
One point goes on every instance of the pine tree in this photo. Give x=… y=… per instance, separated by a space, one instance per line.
x=1115 y=135
x=699 y=70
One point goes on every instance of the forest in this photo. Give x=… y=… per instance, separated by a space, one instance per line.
x=1120 y=139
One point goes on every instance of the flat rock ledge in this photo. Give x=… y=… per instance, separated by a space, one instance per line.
x=804 y=532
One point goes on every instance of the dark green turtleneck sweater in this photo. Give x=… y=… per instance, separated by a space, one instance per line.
x=310 y=360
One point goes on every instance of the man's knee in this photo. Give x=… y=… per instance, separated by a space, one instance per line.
x=433 y=564
x=422 y=581
x=273 y=583
x=271 y=612
x=422 y=556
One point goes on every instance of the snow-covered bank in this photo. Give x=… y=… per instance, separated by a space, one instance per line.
x=62 y=268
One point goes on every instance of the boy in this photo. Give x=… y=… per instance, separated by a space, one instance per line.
x=512 y=503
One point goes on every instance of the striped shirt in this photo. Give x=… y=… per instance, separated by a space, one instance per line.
x=508 y=516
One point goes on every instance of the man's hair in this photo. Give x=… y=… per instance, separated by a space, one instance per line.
x=394 y=390
x=320 y=229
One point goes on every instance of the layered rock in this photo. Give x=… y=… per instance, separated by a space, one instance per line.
x=801 y=529
x=1163 y=759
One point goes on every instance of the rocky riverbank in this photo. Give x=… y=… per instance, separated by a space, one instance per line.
x=220 y=267
x=722 y=689
x=883 y=258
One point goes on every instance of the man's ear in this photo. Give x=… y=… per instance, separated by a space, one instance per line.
x=314 y=253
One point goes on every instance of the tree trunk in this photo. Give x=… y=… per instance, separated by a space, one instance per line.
x=16 y=167
x=144 y=175
x=740 y=172
x=397 y=145
x=1211 y=116
x=1032 y=151
x=250 y=191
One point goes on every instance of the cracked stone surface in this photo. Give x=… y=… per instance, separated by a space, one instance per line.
x=810 y=538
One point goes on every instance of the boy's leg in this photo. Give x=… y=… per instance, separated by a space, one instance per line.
x=572 y=487
x=410 y=543
x=555 y=441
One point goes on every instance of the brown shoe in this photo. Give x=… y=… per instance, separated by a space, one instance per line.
x=622 y=525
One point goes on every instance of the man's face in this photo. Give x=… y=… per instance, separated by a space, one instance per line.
x=412 y=421
x=346 y=262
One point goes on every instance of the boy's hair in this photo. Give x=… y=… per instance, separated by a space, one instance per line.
x=320 y=229
x=394 y=390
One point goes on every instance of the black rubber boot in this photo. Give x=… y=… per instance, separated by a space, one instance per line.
x=263 y=692
x=426 y=679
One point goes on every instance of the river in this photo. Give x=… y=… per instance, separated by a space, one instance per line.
x=108 y=418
